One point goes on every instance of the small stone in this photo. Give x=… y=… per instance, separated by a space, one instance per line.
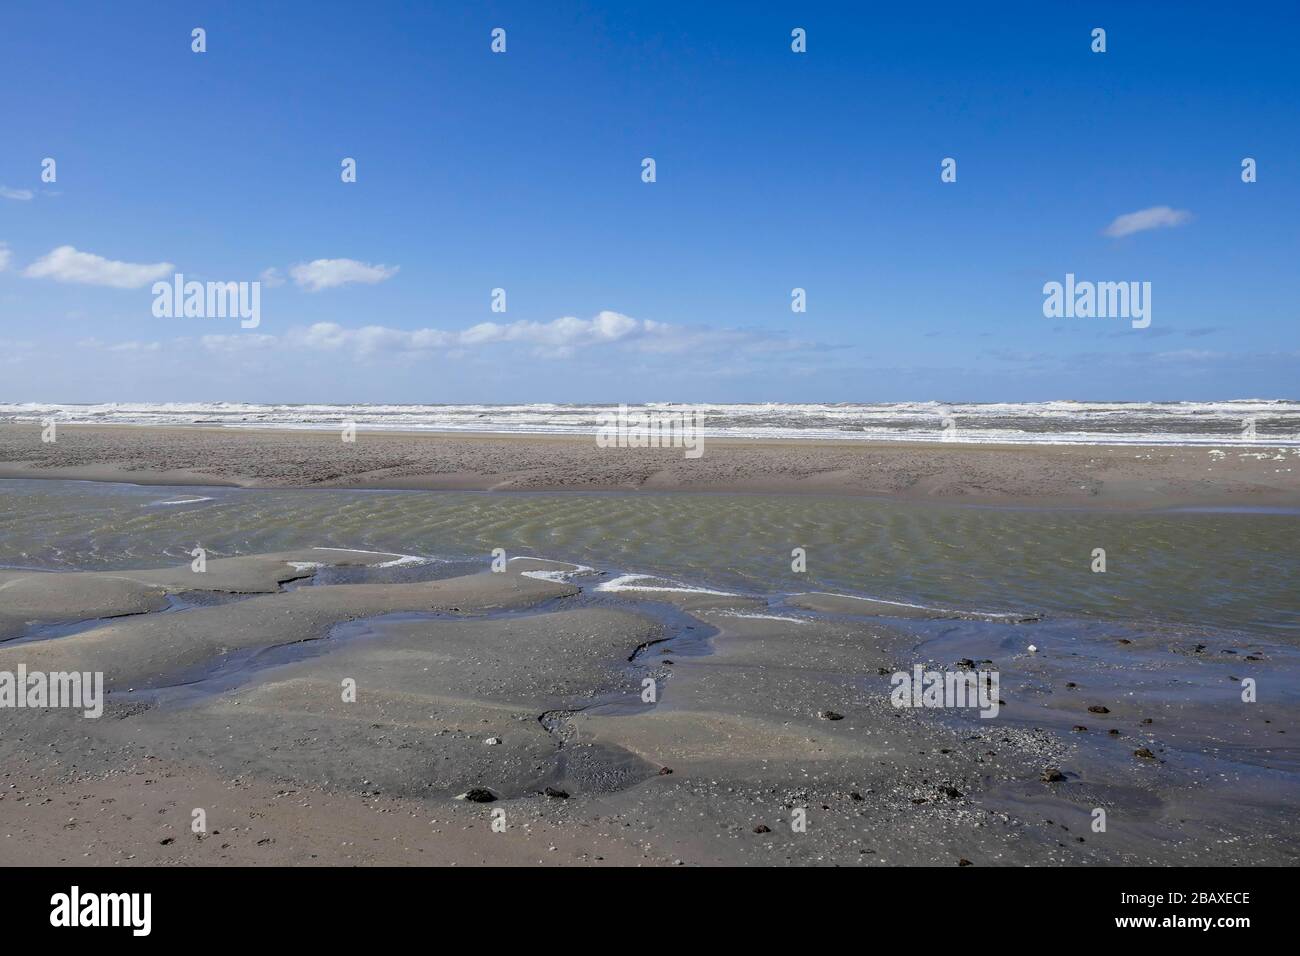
x=1079 y=729
x=1098 y=709
x=556 y=793
x=964 y=862
x=492 y=741
x=478 y=795
x=664 y=771
x=1033 y=649
x=762 y=828
x=1052 y=775
x=830 y=715
x=1145 y=753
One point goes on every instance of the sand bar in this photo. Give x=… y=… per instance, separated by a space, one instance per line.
x=1237 y=472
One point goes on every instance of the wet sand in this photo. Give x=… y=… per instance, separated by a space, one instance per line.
x=529 y=686
x=1235 y=472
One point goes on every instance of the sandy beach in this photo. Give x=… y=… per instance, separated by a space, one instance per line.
x=503 y=718
x=551 y=712
x=1236 y=472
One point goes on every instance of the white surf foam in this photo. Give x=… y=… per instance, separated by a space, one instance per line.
x=923 y=607
x=558 y=576
x=756 y=617
x=625 y=582
x=1052 y=422
x=400 y=560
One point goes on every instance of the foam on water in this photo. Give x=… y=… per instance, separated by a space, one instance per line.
x=399 y=560
x=625 y=582
x=558 y=576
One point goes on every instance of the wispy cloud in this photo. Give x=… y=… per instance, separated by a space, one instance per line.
x=5 y=256
x=1156 y=217
x=66 y=264
x=271 y=278
x=22 y=195
x=330 y=273
x=120 y=346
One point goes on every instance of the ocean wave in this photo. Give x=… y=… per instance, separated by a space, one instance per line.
x=1277 y=421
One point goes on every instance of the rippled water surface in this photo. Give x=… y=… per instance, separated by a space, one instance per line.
x=1233 y=569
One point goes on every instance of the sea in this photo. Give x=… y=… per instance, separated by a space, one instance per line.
x=1273 y=421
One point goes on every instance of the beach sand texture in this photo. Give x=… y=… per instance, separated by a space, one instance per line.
x=527 y=688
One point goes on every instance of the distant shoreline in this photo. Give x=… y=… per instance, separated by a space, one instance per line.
x=1105 y=476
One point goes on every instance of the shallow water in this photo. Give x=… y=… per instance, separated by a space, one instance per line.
x=1229 y=569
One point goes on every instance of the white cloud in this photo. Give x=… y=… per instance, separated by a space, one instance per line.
x=22 y=195
x=271 y=278
x=558 y=338
x=5 y=256
x=1157 y=217
x=330 y=273
x=66 y=264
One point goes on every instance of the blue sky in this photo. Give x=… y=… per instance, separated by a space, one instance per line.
x=522 y=171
